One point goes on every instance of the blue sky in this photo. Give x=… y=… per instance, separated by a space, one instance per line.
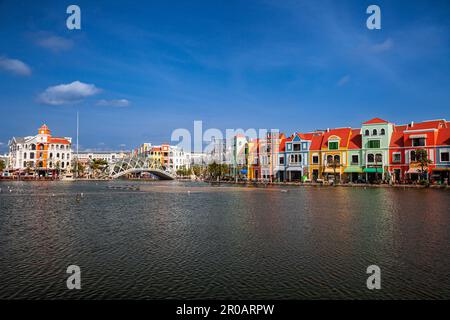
x=136 y=71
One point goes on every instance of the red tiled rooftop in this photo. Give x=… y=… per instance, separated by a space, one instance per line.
x=316 y=141
x=342 y=133
x=443 y=137
x=58 y=140
x=305 y=136
x=355 y=140
x=375 y=120
x=397 y=140
x=432 y=124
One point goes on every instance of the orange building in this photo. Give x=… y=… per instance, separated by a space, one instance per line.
x=40 y=154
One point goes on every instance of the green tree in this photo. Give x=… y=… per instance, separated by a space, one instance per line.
x=79 y=167
x=197 y=170
x=423 y=161
x=2 y=165
x=184 y=172
x=334 y=164
x=58 y=167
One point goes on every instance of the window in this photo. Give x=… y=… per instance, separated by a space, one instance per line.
x=337 y=159
x=373 y=144
x=367 y=132
x=333 y=145
x=315 y=159
x=418 y=142
x=33 y=147
x=445 y=157
x=297 y=147
x=374 y=132
x=413 y=156
x=378 y=158
x=24 y=155
x=396 y=157
x=355 y=159
x=31 y=155
x=281 y=160
x=370 y=158
x=329 y=159
x=382 y=132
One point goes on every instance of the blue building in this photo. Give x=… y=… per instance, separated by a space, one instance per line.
x=297 y=157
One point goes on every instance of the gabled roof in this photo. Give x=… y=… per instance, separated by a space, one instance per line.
x=342 y=133
x=355 y=140
x=397 y=140
x=305 y=136
x=443 y=138
x=316 y=141
x=375 y=120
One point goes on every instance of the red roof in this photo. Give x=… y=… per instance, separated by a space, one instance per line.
x=375 y=120
x=443 y=138
x=59 y=140
x=432 y=124
x=397 y=140
x=355 y=139
x=316 y=141
x=305 y=136
x=283 y=145
x=342 y=133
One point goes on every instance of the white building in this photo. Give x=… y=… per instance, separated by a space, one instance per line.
x=109 y=156
x=41 y=153
x=178 y=159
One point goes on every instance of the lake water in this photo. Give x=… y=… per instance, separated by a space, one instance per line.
x=175 y=240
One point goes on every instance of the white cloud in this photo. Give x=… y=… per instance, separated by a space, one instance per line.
x=384 y=46
x=68 y=93
x=54 y=43
x=122 y=145
x=113 y=103
x=15 y=66
x=1 y=143
x=343 y=81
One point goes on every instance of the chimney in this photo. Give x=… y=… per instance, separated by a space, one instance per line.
x=328 y=129
x=412 y=124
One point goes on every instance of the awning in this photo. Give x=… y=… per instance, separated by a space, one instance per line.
x=353 y=169
x=413 y=170
x=244 y=171
x=294 y=169
x=373 y=170
x=330 y=170
x=440 y=169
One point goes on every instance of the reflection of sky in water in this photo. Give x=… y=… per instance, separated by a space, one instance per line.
x=193 y=240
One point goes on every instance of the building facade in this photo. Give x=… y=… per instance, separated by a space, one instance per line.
x=42 y=154
x=376 y=138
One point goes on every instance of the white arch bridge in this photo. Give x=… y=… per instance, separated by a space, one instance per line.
x=136 y=164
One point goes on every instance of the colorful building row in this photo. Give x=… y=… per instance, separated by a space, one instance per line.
x=378 y=151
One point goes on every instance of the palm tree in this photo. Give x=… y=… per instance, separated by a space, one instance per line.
x=423 y=161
